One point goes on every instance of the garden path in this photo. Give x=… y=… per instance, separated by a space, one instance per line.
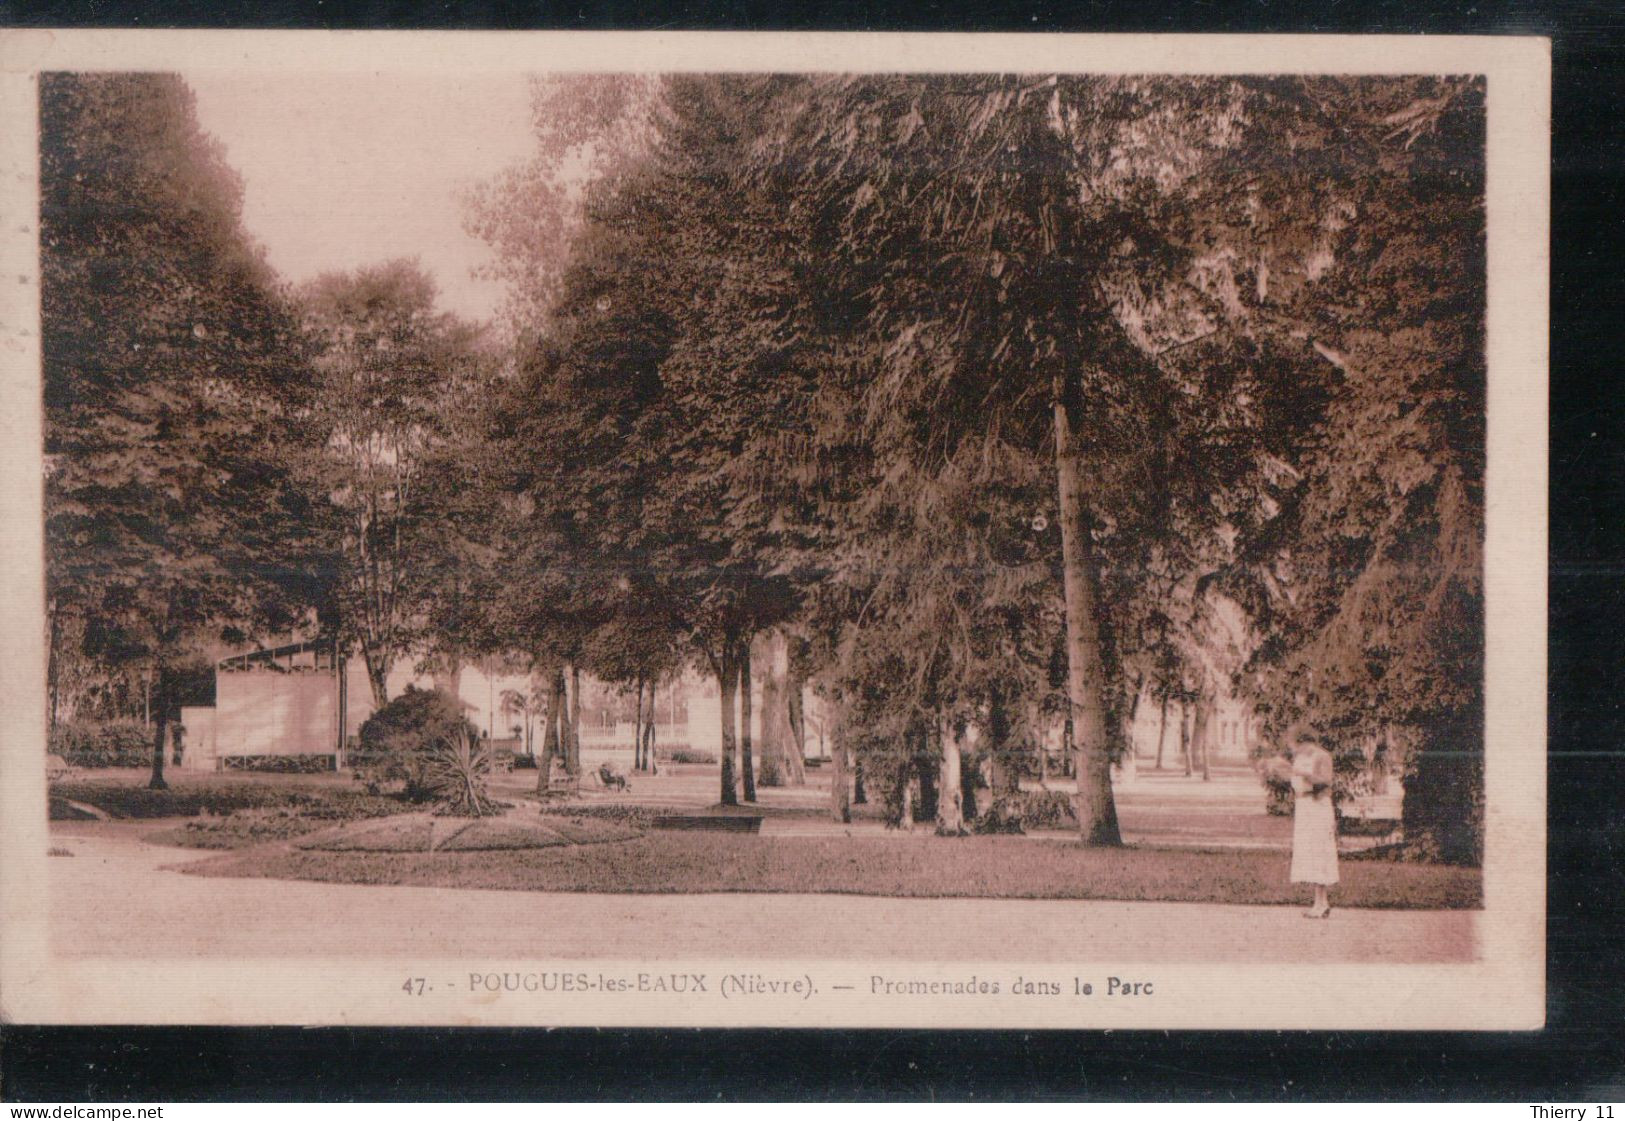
x=117 y=892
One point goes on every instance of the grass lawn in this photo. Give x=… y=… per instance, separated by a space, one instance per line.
x=1200 y=821
x=919 y=867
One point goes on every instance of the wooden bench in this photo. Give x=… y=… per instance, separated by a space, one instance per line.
x=561 y=783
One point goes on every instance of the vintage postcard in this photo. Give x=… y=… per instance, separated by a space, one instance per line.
x=808 y=529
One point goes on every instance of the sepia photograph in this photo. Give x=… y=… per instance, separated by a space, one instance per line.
x=680 y=530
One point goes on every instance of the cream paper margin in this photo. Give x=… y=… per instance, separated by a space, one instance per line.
x=1503 y=989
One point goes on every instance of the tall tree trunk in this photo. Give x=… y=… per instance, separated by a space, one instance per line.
x=1131 y=751
x=1043 y=759
x=160 y=729
x=646 y=726
x=637 y=725
x=1185 y=736
x=341 y=666
x=770 y=770
x=1162 y=727
x=649 y=735
x=562 y=683
x=1198 y=731
x=781 y=744
x=448 y=675
x=925 y=774
x=1203 y=732
x=1120 y=730
x=840 y=796
x=860 y=793
x=1000 y=775
x=1379 y=762
x=544 y=769
x=1097 y=813
x=377 y=676
x=573 y=760
x=550 y=731
x=727 y=685
x=52 y=670
x=747 y=771
x=969 y=782
x=906 y=797
x=950 y=793
x=797 y=714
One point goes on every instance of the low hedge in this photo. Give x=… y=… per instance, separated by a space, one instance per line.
x=1018 y=811
x=113 y=743
x=279 y=764
x=223 y=796
x=684 y=753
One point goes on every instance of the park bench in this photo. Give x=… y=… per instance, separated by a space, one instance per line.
x=562 y=783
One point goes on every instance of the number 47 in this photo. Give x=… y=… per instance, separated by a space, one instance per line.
x=413 y=986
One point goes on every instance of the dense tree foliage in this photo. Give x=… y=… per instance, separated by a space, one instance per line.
x=951 y=370
x=994 y=405
x=1368 y=585
x=170 y=367
x=586 y=127
x=396 y=384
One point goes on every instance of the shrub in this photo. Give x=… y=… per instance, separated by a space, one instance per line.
x=1002 y=816
x=398 y=739
x=1021 y=761
x=683 y=753
x=457 y=772
x=114 y=743
x=422 y=740
x=1019 y=811
x=1367 y=826
x=278 y=764
x=1048 y=809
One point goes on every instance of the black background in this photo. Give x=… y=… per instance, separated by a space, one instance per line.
x=1579 y=1057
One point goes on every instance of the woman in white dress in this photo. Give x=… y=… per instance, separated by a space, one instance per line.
x=1314 y=822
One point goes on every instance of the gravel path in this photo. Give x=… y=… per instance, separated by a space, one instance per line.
x=117 y=892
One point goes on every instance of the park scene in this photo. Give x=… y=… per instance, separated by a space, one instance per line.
x=763 y=511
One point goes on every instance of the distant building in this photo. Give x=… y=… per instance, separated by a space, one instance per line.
x=1232 y=731
x=291 y=700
